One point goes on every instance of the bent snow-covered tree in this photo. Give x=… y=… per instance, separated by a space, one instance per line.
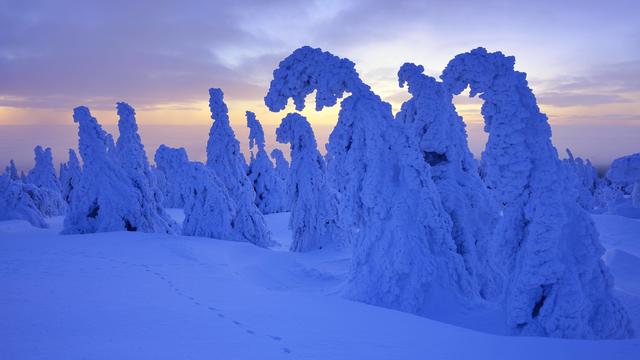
x=269 y=187
x=70 y=173
x=106 y=198
x=171 y=162
x=313 y=204
x=559 y=286
x=432 y=123
x=43 y=175
x=403 y=253
x=225 y=159
x=133 y=159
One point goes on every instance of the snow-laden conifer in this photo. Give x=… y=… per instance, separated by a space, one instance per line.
x=282 y=165
x=107 y=198
x=225 y=159
x=270 y=189
x=585 y=179
x=133 y=159
x=403 y=253
x=70 y=173
x=11 y=171
x=624 y=187
x=313 y=203
x=434 y=127
x=43 y=175
x=549 y=245
x=170 y=165
x=209 y=209
x=18 y=201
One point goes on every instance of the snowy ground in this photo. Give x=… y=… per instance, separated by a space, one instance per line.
x=149 y=296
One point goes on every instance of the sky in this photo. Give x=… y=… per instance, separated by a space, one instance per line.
x=582 y=59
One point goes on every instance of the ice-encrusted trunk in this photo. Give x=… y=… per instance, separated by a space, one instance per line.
x=313 y=203
x=270 y=189
x=171 y=162
x=403 y=253
x=433 y=126
x=133 y=159
x=559 y=286
x=70 y=174
x=43 y=175
x=225 y=159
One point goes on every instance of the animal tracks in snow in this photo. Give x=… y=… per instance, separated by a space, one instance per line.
x=216 y=311
x=179 y=292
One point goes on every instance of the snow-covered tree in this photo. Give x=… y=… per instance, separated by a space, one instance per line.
x=624 y=192
x=313 y=203
x=11 y=171
x=209 y=209
x=70 y=173
x=585 y=179
x=106 y=197
x=224 y=157
x=549 y=245
x=18 y=201
x=43 y=175
x=403 y=253
x=282 y=165
x=431 y=122
x=170 y=164
x=133 y=160
x=269 y=188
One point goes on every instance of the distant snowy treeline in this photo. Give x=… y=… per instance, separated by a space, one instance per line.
x=429 y=228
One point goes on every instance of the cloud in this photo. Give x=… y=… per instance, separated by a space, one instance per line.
x=565 y=99
x=65 y=53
